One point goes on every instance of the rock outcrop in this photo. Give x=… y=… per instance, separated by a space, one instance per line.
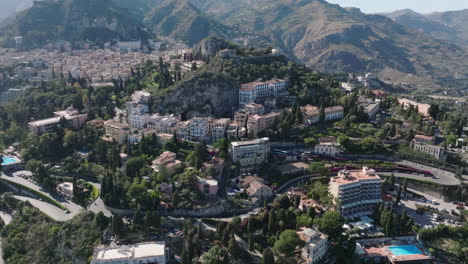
x=204 y=94
x=210 y=46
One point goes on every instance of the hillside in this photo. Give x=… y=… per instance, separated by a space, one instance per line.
x=137 y=7
x=51 y=20
x=449 y=26
x=183 y=21
x=334 y=39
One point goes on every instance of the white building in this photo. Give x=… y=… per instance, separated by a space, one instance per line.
x=138 y=115
x=311 y=114
x=167 y=124
x=250 y=154
x=127 y=46
x=372 y=108
x=436 y=152
x=349 y=87
x=218 y=128
x=251 y=91
x=149 y=252
x=328 y=148
x=316 y=245
x=197 y=129
x=141 y=97
x=356 y=193
x=65 y=189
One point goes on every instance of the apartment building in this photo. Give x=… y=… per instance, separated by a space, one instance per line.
x=435 y=151
x=251 y=91
x=356 y=193
x=71 y=115
x=255 y=109
x=147 y=252
x=311 y=114
x=240 y=117
x=235 y=131
x=138 y=115
x=167 y=124
x=423 y=109
x=316 y=245
x=256 y=124
x=196 y=129
x=218 y=128
x=117 y=131
x=250 y=154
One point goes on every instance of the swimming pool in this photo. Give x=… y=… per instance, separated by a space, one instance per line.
x=405 y=250
x=8 y=160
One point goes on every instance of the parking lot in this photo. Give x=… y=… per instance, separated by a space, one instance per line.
x=441 y=208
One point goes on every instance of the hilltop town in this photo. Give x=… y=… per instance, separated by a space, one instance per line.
x=295 y=166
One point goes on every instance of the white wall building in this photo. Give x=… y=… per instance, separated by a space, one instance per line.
x=356 y=193
x=328 y=148
x=250 y=154
x=150 y=252
x=316 y=245
x=251 y=91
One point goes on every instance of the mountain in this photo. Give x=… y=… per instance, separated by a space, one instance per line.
x=181 y=20
x=94 y=20
x=9 y=7
x=330 y=38
x=449 y=26
x=137 y=7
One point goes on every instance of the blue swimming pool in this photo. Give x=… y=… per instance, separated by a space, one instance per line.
x=8 y=160
x=405 y=250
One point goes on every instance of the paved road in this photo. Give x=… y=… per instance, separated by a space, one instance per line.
x=5 y=217
x=442 y=180
x=444 y=175
x=57 y=214
x=51 y=210
x=98 y=205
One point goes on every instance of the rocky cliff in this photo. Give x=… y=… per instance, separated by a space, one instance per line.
x=203 y=94
x=210 y=46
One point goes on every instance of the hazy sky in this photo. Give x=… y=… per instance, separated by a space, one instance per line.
x=422 y=6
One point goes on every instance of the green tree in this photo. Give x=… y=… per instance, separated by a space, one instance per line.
x=117 y=224
x=234 y=248
x=134 y=165
x=331 y=224
x=281 y=201
x=398 y=197
x=287 y=243
x=101 y=220
x=310 y=142
x=321 y=113
x=268 y=257
x=216 y=255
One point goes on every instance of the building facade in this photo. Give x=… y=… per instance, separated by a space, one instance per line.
x=71 y=115
x=356 y=193
x=250 y=154
x=436 y=152
x=149 y=252
x=316 y=245
x=117 y=131
x=251 y=91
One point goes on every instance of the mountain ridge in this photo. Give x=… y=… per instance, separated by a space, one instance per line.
x=95 y=20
